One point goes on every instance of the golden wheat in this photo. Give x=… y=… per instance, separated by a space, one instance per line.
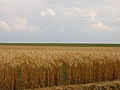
x=36 y=67
x=107 y=85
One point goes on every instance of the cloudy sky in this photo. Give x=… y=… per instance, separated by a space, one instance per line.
x=60 y=21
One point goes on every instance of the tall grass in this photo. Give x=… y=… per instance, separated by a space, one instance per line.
x=29 y=68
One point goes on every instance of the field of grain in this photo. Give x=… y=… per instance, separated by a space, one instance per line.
x=106 y=85
x=29 y=67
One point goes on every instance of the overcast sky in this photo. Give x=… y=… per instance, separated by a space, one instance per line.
x=60 y=21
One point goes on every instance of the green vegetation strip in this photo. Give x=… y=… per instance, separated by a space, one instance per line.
x=63 y=44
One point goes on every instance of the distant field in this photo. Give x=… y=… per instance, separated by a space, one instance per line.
x=63 y=44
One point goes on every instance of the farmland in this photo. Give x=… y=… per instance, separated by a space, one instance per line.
x=64 y=44
x=29 y=67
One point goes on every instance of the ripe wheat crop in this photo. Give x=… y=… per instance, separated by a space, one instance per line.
x=36 y=67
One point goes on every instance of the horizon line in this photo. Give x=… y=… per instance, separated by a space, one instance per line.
x=69 y=42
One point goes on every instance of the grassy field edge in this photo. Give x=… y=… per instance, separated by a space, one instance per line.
x=63 y=44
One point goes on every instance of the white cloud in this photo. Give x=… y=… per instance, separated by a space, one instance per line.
x=4 y=25
x=48 y=12
x=100 y=25
x=97 y=24
x=18 y=24
x=93 y=15
x=21 y=23
x=90 y=16
x=74 y=11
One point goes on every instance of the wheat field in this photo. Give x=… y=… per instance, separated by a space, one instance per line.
x=106 y=85
x=29 y=67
